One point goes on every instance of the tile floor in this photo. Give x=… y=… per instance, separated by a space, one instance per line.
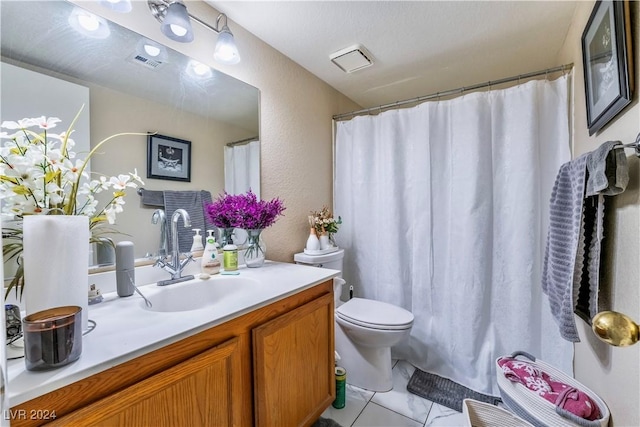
x=396 y=408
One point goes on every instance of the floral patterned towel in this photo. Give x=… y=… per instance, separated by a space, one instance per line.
x=560 y=394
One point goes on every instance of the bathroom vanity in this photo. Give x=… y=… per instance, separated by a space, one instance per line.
x=262 y=355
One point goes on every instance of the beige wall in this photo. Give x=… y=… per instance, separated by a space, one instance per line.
x=613 y=373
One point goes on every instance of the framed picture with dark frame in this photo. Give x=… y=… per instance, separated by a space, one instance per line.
x=608 y=66
x=168 y=158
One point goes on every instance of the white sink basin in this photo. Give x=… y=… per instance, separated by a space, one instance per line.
x=195 y=294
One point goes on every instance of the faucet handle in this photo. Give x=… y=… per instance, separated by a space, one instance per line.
x=188 y=258
x=160 y=261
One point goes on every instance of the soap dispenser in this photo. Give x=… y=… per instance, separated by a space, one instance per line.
x=197 y=242
x=210 y=263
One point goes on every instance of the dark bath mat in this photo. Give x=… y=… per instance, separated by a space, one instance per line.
x=325 y=422
x=444 y=391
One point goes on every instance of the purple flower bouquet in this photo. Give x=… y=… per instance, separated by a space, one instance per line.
x=245 y=211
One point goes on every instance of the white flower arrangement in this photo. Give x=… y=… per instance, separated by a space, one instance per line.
x=324 y=222
x=40 y=175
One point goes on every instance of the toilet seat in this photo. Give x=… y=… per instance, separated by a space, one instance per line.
x=375 y=314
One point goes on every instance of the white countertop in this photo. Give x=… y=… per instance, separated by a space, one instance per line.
x=126 y=330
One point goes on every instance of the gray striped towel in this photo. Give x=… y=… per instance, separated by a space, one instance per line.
x=608 y=172
x=574 y=238
x=193 y=202
x=152 y=198
x=565 y=222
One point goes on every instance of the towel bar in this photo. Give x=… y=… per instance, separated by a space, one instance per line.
x=635 y=145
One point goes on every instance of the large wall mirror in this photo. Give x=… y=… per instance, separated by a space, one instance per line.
x=128 y=91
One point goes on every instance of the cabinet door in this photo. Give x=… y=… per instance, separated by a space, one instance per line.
x=196 y=392
x=293 y=362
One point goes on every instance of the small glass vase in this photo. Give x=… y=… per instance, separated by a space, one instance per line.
x=226 y=236
x=332 y=240
x=255 y=252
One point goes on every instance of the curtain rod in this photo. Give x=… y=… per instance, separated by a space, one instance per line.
x=463 y=89
x=242 y=141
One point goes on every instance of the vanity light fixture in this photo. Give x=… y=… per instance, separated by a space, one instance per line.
x=166 y=12
x=226 y=50
x=120 y=6
x=88 y=24
x=176 y=24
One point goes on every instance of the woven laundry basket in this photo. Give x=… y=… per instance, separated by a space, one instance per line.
x=480 y=414
x=538 y=411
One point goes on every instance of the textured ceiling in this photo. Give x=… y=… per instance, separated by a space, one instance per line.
x=418 y=47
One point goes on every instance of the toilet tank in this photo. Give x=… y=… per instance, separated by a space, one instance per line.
x=331 y=260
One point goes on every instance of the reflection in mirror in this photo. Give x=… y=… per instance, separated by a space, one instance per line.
x=130 y=90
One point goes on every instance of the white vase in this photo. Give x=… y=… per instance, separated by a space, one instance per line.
x=324 y=241
x=313 y=243
x=55 y=253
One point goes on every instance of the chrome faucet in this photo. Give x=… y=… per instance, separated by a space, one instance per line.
x=175 y=266
x=159 y=216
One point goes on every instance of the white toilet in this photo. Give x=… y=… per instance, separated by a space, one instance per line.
x=365 y=330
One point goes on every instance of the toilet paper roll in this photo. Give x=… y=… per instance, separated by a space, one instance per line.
x=56 y=268
x=125 y=269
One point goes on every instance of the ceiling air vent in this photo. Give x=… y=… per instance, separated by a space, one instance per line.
x=352 y=58
x=146 y=61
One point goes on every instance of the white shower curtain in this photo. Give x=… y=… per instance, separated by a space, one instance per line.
x=445 y=211
x=242 y=168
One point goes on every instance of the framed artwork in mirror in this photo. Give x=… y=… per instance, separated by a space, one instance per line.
x=168 y=158
x=608 y=66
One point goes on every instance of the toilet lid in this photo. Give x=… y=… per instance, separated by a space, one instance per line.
x=375 y=314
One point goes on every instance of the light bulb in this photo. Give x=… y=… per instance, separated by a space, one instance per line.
x=88 y=24
x=226 y=51
x=178 y=30
x=88 y=21
x=152 y=50
x=120 y=6
x=199 y=70
x=176 y=24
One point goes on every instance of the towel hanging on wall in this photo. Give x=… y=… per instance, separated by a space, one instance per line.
x=193 y=202
x=574 y=239
x=151 y=198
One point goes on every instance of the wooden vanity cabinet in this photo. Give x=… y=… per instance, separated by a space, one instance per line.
x=270 y=367
x=196 y=392
x=290 y=360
